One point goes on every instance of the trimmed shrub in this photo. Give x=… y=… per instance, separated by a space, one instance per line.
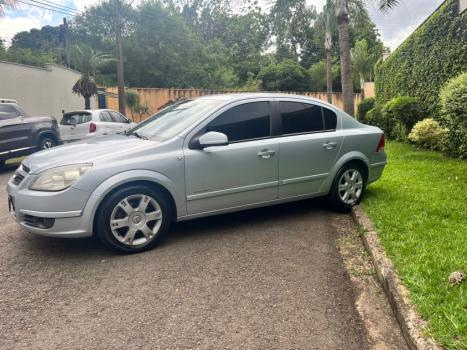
x=402 y=113
x=427 y=59
x=429 y=134
x=364 y=107
x=453 y=98
x=376 y=117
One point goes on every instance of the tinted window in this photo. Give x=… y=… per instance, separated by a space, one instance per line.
x=7 y=112
x=117 y=117
x=245 y=122
x=300 y=118
x=75 y=118
x=330 y=119
x=105 y=117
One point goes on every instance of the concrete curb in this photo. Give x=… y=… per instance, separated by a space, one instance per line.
x=409 y=321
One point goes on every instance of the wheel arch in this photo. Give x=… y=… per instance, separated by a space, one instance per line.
x=349 y=158
x=134 y=177
x=47 y=133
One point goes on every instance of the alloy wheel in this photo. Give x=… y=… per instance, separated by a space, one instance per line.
x=136 y=220
x=350 y=186
x=47 y=144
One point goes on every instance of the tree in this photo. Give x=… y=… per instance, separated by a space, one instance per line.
x=342 y=16
x=330 y=24
x=287 y=75
x=87 y=61
x=361 y=60
x=133 y=102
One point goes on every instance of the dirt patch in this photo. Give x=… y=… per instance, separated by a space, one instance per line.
x=370 y=300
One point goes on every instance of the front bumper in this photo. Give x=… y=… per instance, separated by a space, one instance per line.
x=54 y=214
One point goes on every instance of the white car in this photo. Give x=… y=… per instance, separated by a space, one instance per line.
x=79 y=125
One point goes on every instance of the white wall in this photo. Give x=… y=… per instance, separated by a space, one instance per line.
x=41 y=91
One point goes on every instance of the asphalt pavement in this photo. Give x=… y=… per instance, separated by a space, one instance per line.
x=270 y=278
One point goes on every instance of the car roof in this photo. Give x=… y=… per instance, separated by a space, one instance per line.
x=90 y=110
x=232 y=97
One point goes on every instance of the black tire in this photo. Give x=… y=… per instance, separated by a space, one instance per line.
x=2 y=163
x=335 y=199
x=112 y=202
x=46 y=142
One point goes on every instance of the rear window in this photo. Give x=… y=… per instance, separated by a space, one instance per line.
x=75 y=118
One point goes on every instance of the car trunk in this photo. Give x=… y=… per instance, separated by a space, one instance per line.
x=75 y=125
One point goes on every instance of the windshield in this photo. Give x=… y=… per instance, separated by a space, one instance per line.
x=174 y=119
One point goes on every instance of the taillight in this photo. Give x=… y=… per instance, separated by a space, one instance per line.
x=92 y=127
x=380 y=144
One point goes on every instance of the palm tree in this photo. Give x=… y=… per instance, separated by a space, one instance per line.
x=87 y=61
x=362 y=61
x=342 y=17
x=329 y=24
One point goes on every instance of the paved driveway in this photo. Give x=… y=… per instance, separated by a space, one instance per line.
x=263 y=279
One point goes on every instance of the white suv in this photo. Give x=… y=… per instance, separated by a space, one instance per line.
x=78 y=125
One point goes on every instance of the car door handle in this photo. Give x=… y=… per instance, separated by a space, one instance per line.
x=265 y=153
x=329 y=145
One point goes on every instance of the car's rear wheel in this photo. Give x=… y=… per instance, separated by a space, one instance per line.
x=348 y=187
x=46 y=142
x=2 y=163
x=133 y=219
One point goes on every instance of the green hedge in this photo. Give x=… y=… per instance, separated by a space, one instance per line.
x=422 y=64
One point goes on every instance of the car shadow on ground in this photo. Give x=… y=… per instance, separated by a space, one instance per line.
x=181 y=232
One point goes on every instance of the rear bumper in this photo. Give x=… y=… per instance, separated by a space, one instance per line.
x=375 y=171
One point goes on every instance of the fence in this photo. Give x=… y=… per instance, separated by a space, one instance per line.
x=157 y=98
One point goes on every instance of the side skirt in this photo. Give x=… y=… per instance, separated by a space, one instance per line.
x=250 y=206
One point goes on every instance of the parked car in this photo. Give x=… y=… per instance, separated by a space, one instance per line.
x=79 y=125
x=210 y=155
x=21 y=134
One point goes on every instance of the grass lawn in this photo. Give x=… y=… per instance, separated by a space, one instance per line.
x=419 y=207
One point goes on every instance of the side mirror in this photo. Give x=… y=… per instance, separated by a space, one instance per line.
x=213 y=138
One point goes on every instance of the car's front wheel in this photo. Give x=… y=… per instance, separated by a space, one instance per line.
x=133 y=219
x=46 y=142
x=348 y=188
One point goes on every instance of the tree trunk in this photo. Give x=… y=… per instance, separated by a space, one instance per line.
x=329 y=76
x=87 y=102
x=342 y=15
x=120 y=71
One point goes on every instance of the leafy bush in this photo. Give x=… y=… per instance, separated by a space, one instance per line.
x=287 y=75
x=453 y=98
x=427 y=59
x=402 y=113
x=429 y=134
x=364 y=107
x=376 y=117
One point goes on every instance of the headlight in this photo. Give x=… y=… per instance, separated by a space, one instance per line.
x=57 y=179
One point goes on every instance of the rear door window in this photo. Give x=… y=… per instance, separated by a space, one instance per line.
x=330 y=120
x=299 y=118
x=75 y=118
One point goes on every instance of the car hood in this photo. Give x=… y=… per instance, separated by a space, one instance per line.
x=38 y=119
x=95 y=150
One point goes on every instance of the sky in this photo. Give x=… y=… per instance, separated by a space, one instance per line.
x=394 y=26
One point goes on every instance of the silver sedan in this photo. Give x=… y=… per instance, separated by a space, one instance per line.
x=206 y=156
